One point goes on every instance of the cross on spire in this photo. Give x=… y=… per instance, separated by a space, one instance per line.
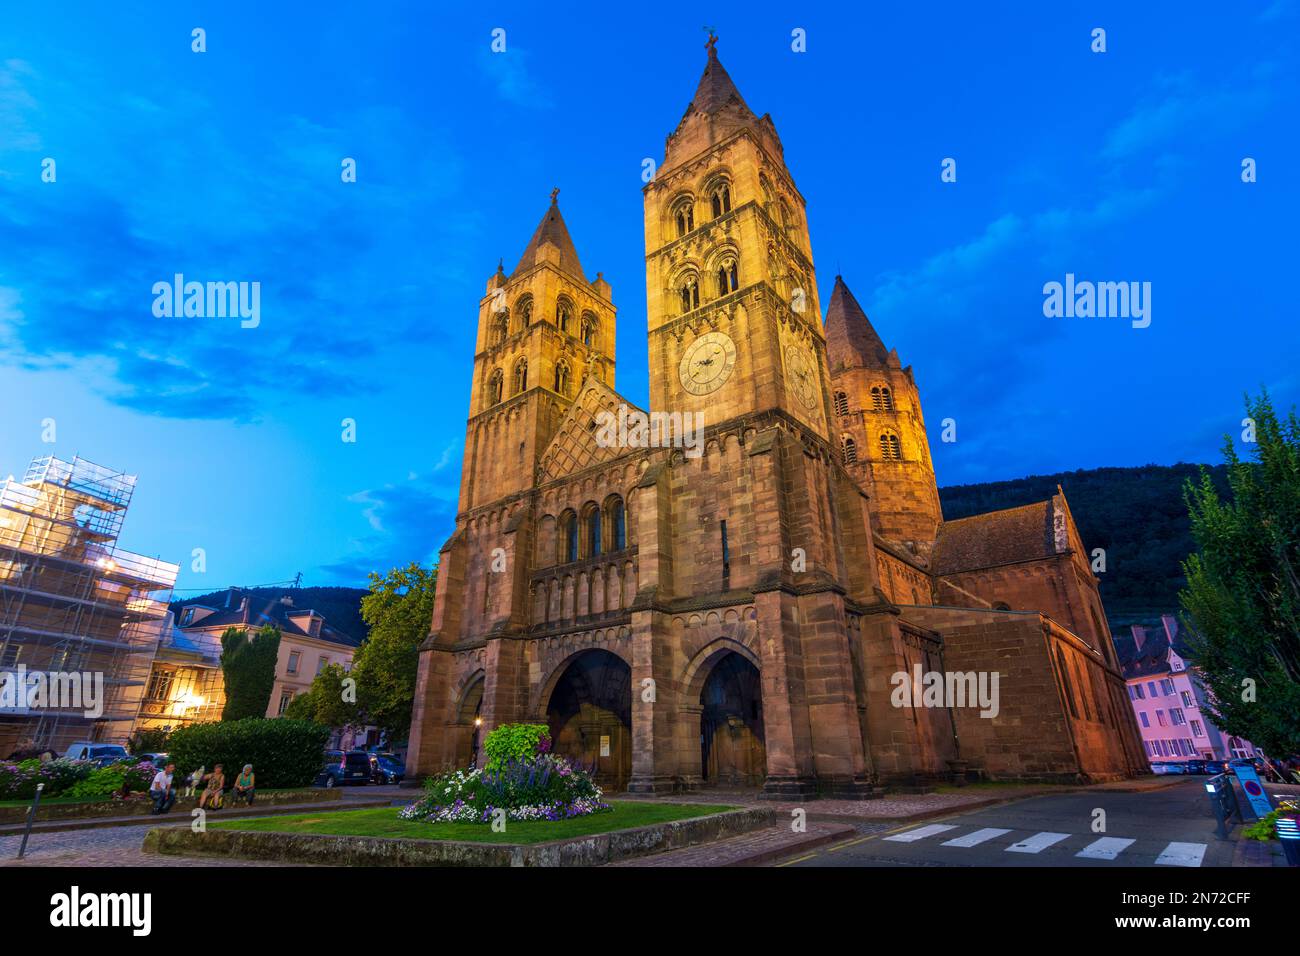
x=713 y=42
x=555 y=193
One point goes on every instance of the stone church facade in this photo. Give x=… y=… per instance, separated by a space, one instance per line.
x=736 y=612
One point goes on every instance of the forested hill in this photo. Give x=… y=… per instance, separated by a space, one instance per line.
x=1136 y=514
x=341 y=607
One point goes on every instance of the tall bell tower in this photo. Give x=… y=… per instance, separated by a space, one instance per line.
x=542 y=330
x=731 y=292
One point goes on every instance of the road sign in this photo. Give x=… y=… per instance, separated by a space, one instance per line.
x=1253 y=789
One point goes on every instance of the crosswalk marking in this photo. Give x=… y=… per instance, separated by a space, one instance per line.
x=976 y=838
x=1037 y=843
x=920 y=833
x=1107 y=848
x=1182 y=854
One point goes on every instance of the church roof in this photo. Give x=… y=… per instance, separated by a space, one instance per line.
x=716 y=90
x=850 y=339
x=998 y=537
x=553 y=230
x=574 y=447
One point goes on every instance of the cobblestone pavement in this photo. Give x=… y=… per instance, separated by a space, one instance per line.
x=899 y=806
x=766 y=844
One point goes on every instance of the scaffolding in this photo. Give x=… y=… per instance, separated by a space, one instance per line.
x=186 y=684
x=73 y=602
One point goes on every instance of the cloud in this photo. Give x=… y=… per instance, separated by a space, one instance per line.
x=514 y=81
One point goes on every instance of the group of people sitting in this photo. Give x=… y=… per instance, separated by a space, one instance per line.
x=211 y=787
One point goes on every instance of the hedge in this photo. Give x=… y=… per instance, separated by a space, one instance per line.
x=283 y=752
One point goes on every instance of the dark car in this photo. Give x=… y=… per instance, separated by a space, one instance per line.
x=386 y=768
x=1201 y=766
x=342 y=769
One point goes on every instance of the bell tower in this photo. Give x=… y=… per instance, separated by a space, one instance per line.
x=878 y=428
x=731 y=292
x=542 y=330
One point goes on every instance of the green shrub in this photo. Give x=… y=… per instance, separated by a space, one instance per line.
x=283 y=752
x=515 y=742
x=106 y=781
x=18 y=780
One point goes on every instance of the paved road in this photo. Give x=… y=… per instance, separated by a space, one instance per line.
x=1170 y=827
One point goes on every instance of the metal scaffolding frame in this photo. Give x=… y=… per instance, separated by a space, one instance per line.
x=72 y=601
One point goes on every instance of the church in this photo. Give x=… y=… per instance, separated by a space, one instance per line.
x=741 y=611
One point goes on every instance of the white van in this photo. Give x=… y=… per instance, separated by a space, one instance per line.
x=102 y=754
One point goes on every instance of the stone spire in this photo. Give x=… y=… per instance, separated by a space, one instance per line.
x=850 y=339
x=716 y=90
x=553 y=230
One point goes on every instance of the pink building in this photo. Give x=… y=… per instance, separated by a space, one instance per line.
x=1168 y=699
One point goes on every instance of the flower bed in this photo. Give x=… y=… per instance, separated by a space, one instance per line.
x=524 y=786
x=73 y=778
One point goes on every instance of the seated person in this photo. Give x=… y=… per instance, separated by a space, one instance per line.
x=245 y=785
x=161 y=789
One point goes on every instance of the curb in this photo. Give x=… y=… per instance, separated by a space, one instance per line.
x=789 y=849
x=99 y=823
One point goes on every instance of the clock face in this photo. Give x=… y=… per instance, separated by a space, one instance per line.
x=708 y=363
x=801 y=374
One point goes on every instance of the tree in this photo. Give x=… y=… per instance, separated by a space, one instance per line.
x=1242 y=601
x=248 y=667
x=398 y=609
x=331 y=701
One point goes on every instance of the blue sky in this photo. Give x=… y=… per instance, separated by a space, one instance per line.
x=225 y=165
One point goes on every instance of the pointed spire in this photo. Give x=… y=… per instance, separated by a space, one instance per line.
x=850 y=339
x=553 y=230
x=716 y=90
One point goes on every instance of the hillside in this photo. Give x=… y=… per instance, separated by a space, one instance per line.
x=1136 y=514
x=340 y=606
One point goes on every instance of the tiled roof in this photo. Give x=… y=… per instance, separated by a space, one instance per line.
x=850 y=338
x=998 y=537
x=716 y=90
x=259 y=612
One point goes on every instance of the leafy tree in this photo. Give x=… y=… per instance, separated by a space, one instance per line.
x=398 y=610
x=1242 y=601
x=248 y=667
x=329 y=701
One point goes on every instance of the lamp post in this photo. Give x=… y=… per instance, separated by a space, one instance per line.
x=31 y=817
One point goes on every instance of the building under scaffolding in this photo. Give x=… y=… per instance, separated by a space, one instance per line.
x=186 y=685
x=72 y=602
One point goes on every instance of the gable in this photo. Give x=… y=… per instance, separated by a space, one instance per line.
x=574 y=447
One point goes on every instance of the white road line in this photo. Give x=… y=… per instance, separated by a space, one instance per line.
x=1037 y=843
x=976 y=838
x=1182 y=854
x=920 y=833
x=1107 y=848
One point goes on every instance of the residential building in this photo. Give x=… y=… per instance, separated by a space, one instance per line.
x=1169 y=700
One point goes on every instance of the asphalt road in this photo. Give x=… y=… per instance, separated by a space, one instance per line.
x=1168 y=827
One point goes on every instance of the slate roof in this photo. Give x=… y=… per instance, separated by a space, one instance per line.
x=998 y=537
x=850 y=338
x=260 y=611
x=716 y=90
x=551 y=229
x=1152 y=657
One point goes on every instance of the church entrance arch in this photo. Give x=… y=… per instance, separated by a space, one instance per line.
x=590 y=715
x=732 y=749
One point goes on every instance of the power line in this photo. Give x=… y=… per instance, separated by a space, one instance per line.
x=294 y=582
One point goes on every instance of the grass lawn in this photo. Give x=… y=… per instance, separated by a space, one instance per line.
x=384 y=822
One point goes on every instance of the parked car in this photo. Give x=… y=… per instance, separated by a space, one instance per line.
x=101 y=754
x=158 y=760
x=1199 y=765
x=1261 y=766
x=342 y=769
x=386 y=768
x=1169 y=766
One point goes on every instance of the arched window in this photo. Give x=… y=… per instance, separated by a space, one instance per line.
x=617 y=523
x=589 y=330
x=684 y=216
x=690 y=293
x=783 y=211
x=890 y=449
x=841 y=403
x=563 y=315
x=494 y=386
x=591 y=521
x=728 y=279
x=850 y=450
x=568 y=537
x=524 y=309
x=720 y=199
x=1065 y=682
x=521 y=376
x=562 y=377
x=887 y=398
x=500 y=327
